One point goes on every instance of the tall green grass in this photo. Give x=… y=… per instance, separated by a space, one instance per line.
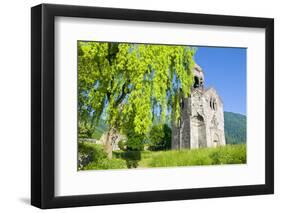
x=229 y=154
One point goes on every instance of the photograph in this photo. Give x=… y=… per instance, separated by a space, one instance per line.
x=145 y=105
x=133 y=105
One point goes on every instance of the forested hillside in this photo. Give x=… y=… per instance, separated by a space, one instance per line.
x=235 y=128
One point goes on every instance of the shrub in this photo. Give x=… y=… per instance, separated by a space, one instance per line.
x=89 y=152
x=96 y=151
x=135 y=142
x=160 y=137
x=132 y=158
x=93 y=156
x=122 y=145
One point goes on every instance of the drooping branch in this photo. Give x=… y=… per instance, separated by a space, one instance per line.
x=123 y=94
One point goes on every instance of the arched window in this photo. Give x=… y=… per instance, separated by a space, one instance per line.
x=196 y=82
x=201 y=81
x=213 y=103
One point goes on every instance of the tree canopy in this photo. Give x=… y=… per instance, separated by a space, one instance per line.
x=132 y=85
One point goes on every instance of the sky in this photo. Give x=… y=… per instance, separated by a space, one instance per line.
x=225 y=70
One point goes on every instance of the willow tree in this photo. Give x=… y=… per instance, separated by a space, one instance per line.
x=129 y=85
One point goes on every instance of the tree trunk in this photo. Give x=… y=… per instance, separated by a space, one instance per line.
x=110 y=140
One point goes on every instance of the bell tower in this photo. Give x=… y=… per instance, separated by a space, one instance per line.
x=198 y=77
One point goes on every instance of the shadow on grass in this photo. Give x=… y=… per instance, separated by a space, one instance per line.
x=132 y=158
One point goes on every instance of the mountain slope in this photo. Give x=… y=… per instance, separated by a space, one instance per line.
x=235 y=128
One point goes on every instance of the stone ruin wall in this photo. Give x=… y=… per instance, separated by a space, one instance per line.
x=202 y=118
x=207 y=120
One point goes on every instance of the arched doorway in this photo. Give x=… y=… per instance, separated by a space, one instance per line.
x=199 y=131
x=216 y=140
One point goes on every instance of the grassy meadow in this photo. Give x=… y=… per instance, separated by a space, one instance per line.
x=229 y=154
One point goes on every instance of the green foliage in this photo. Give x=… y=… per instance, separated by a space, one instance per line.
x=235 y=127
x=85 y=131
x=122 y=145
x=160 y=137
x=95 y=151
x=132 y=158
x=130 y=85
x=135 y=142
x=93 y=156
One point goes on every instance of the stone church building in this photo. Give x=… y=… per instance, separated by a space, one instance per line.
x=202 y=120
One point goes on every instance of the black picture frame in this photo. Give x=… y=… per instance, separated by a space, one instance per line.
x=43 y=105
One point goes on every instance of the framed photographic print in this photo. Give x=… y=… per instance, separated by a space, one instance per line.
x=139 y=106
